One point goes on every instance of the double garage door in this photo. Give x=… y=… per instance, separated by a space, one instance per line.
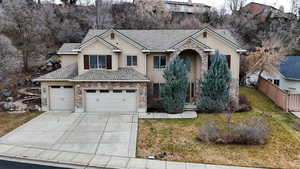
x=62 y=98
x=110 y=101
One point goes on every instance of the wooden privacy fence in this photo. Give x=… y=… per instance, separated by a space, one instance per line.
x=288 y=102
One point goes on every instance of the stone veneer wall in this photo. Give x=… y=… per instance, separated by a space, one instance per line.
x=140 y=87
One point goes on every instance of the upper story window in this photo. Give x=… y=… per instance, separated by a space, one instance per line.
x=97 y=62
x=131 y=60
x=276 y=82
x=160 y=62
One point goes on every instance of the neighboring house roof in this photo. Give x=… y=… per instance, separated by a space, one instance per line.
x=290 y=67
x=62 y=74
x=68 y=48
x=159 y=40
x=186 y=3
x=122 y=74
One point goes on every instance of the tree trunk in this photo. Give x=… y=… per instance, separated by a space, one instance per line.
x=25 y=61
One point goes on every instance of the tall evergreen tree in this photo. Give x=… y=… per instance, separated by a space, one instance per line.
x=174 y=92
x=215 y=86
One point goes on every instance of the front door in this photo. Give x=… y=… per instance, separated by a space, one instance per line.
x=190 y=93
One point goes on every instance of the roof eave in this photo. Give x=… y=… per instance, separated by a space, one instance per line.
x=109 y=80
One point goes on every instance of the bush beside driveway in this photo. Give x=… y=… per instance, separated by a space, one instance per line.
x=177 y=139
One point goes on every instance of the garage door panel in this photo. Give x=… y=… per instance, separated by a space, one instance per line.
x=62 y=98
x=110 y=102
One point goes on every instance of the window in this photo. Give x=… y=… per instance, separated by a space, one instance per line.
x=91 y=91
x=156 y=89
x=97 y=62
x=68 y=87
x=55 y=87
x=228 y=58
x=276 y=82
x=104 y=91
x=131 y=60
x=130 y=91
x=160 y=62
x=209 y=61
x=117 y=91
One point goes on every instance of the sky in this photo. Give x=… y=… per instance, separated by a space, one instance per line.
x=219 y=3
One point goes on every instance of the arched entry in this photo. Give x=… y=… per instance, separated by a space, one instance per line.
x=193 y=62
x=199 y=58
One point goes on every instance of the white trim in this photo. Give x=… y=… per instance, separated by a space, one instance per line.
x=67 y=53
x=209 y=50
x=146 y=51
x=124 y=37
x=94 y=39
x=241 y=50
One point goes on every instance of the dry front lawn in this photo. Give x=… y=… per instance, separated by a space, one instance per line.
x=9 y=122
x=176 y=139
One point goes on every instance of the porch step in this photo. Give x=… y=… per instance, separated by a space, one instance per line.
x=190 y=107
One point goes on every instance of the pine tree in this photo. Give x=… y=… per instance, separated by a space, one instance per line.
x=174 y=92
x=215 y=86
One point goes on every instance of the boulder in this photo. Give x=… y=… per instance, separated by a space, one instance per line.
x=8 y=106
x=9 y=99
x=6 y=93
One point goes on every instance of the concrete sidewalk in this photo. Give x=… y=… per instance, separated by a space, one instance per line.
x=89 y=161
x=297 y=114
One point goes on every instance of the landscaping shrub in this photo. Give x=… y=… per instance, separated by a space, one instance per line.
x=174 y=92
x=214 y=88
x=244 y=104
x=252 y=131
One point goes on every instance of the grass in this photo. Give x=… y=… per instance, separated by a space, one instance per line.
x=9 y=122
x=176 y=139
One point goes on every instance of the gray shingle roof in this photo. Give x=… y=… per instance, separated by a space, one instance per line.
x=158 y=39
x=290 y=67
x=66 y=73
x=68 y=47
x=123 y=74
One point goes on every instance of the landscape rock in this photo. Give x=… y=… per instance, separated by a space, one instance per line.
x=6 y=93
x=9 y=99
x=8 y=106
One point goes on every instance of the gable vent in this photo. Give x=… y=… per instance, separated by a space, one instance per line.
x=205 y=34
x=112 y=35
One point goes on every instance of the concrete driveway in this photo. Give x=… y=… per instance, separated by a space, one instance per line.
x=100 y=134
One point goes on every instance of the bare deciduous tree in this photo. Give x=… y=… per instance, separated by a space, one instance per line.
x=235 y=5
x=9 y=55
x=267 y=57
x=103 y=13
x=22 y=23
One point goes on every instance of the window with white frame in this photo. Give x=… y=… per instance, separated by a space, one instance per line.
x=131 y=60
x=160 y=62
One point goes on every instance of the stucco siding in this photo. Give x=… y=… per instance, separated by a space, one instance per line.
x=129 y=50
x=155 y=75
x=224 y=48
x=67 y=60
x=96 y=48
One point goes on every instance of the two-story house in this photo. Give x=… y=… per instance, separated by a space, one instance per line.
x=122 y=70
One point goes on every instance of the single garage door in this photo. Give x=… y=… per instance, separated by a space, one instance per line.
x=111 y=101
x=62 y=98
